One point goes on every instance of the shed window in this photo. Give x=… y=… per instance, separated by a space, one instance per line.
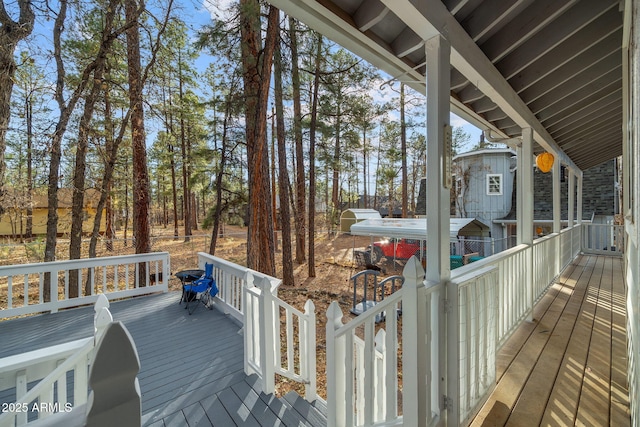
x=494 y=184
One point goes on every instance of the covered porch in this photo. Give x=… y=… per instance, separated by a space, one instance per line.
x=523 y=73
x=565 y=366
x=557 y=77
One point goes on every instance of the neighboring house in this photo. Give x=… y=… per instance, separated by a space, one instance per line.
x=484 y=186
x=14 y=221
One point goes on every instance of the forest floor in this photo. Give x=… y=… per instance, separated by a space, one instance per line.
x=334 y=266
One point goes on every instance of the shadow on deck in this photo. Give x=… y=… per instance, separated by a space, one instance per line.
x=191 y=366
x=568 y=366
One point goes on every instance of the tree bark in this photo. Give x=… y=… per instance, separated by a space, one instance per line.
x=257 y=75
x=11 y=32
x=186 y=194
x=403 y=142
x=140 y=175
x=300 y=200
x=312 y=159
x=283 y=174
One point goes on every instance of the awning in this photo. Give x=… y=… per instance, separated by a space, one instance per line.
x=416 y=228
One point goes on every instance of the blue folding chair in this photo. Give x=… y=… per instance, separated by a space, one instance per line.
x=202 y=289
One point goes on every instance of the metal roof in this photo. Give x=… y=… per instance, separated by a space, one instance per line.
x=552 y=65
x=416 y=228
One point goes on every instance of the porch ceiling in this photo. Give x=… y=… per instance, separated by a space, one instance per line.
x=552 y=65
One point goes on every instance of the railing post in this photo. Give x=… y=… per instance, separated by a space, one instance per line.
x=248 y=324
x=414 y=357
x=102 y=317
x=267 y=347
x=21 y=390
x=336 y=414
x=308 y=360
x=53 y=291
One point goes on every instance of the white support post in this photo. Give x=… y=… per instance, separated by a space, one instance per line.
x=557 y=211
x=525 y=213
x=438 y=59
x=308 y=363
x=438 y=69
x=414 y=395
x=557 y=206
x=579 y=198
x=336 y=372
x=267 y=359
x=572 y=198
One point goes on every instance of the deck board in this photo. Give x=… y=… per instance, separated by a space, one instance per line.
x=192 y=366
x=568 y=366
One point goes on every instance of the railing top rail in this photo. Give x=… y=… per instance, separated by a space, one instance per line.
x=490 y=260
x=43 y=267
x=371 y=313
x=290 y=308
x=238 y=270
x=473 y=275
x=23 y=360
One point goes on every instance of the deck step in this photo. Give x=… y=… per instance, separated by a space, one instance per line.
x=291 y=409
x=310 y=414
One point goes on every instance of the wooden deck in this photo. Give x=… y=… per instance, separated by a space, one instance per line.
x=191 y=366
x=569 y=366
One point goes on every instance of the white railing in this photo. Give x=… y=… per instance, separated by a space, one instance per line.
x=546 y=263
x=514 y=296
x=231 y=280
x=50 y=366
x=270 y=347
x=603 y=239
x=363 y=366
x=471 y=340
x=355 y=394
x=632 y=279
x=117 y=276
x=524 y=274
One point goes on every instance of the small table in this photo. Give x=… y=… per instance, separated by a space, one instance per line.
x=188 y=276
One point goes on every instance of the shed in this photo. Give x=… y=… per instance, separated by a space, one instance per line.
x=416 y=228
x=353 y=216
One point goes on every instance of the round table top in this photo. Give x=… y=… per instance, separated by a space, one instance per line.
x=189 y=275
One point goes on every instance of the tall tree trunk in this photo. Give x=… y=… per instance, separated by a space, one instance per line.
x=186 y=197
x=79 y=172
x=257 y=75
x=56 y=144
x=300 y=212
x=217 y=216
x=365 y=167
x=312 y=159
x=220 y=174
x=403 y=142
x=283 y=174
x=11 y=32
x=29 y=111
x=174 y=180
x=273 y=179
x=140 y=175
x=335 y=181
